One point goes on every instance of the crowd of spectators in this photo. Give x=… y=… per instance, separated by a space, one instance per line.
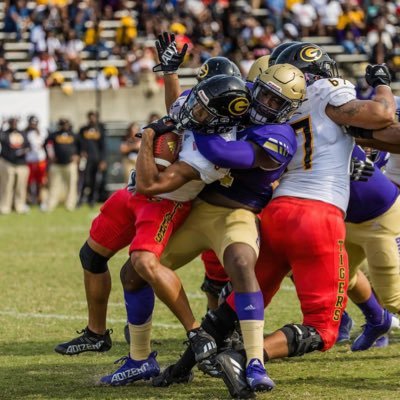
x=61 y=32
x=44 y=169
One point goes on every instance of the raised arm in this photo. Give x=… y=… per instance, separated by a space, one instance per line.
x=170 y=60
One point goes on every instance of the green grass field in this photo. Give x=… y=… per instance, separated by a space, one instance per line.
x=43 y=303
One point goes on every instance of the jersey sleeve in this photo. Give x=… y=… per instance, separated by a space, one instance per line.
x=335 y=91
x=278 y=141
x=190 y=155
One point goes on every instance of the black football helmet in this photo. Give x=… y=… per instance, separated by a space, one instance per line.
x=311 y=59
x=217 y=66
x=215 y=105
x=278 y=50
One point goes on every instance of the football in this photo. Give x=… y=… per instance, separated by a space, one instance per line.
x=166 y=149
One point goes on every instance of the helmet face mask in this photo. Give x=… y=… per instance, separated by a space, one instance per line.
x=277 y=93
x=215 y=105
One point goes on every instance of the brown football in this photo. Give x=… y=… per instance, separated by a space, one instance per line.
x=166 y=149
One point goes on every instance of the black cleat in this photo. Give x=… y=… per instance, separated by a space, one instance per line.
x=166 y=378
x=202 y=344
x=232 y=367
x=88 y=341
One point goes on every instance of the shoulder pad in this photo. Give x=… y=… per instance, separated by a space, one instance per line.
x=334 y=91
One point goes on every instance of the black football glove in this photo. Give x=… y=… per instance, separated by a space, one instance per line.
x=359 y=132
x=132 y=181
x=361 y=170
x=162 y=125
x=376 y=75
x=169 y=56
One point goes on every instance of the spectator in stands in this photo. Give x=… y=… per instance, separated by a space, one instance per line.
x=6 y=75
x=34 y=80
x=36 y=159
x=17 y=18
x=352 y=44
x=108 y=78
x=72 y=49
x=82 y=81
x=144 y=67
x=126 y=33
x=330 y=16
x=352 y=18
x=56 y=79
x=393 y=61
x=129 y=149
x=379 y=40
x=62 y=150
x=92 y=149
x=45 y=63
x=6 y=79
x=306 y=16
x=13 y=169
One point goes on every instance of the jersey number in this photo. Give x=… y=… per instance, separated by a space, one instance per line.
x=304 y=127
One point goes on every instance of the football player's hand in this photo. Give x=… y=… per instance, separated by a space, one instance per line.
x=169 y=56
x=132 y=181
x=361 y=170
x=359 y=132
x=376 y=75
x=162 y=125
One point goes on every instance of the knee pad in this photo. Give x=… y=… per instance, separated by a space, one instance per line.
x=212 y=286
x=92 y=261
x=302 y=339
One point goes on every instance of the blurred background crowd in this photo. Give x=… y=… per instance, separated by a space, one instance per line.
x=109 y=44
x=62 y=166
x=64 y=38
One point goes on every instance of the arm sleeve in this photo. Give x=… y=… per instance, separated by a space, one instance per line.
x=233 y=154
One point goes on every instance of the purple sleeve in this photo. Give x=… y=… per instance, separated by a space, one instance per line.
x=233 y=154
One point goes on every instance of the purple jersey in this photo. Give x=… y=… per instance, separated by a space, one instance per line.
x=370 y=199
x=252 y=187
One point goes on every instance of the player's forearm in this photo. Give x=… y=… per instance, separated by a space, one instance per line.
x=146 y=168
x=172 y=89
x=386 y=106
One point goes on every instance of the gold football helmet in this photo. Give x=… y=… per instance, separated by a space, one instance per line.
x=277 y=93
x=258 y=67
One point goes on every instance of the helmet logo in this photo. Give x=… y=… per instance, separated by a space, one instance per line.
x=274 y=86
x=203 y=71
x=239 y=106
x=310 y=53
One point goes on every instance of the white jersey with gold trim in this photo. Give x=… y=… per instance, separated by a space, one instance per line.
x=392 y=170
x=320 y=168
x=207 y=170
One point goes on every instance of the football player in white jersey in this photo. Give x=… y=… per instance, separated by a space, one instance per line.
x=302 y=228
x=143 y=222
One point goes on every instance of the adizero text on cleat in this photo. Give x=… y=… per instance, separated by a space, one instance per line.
x=132 y=370
x=88 y=341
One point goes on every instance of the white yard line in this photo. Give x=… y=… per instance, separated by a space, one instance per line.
x=18 y=315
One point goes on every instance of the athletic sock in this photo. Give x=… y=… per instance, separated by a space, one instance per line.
x=250 y=311
x=372 y=310
x=140 y=347
x=139 y=308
